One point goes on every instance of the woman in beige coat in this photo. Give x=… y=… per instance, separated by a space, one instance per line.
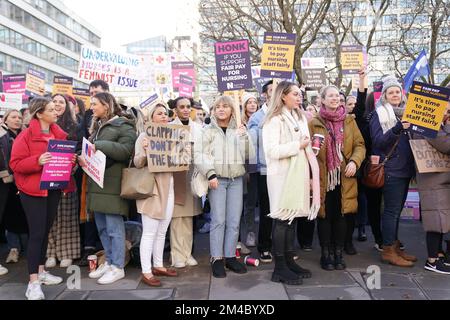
x=157 y=210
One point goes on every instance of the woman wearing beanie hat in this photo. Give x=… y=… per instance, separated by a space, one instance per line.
x=249 y=106
x=390 y=135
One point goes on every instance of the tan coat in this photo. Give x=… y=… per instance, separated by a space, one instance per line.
x=186 y=204
x=155 y=206
x=354 y=150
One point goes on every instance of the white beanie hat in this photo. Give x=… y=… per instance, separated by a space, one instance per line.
x=247 y=96
x=389 y=82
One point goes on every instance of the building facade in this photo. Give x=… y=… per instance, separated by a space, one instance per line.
x=43 y=35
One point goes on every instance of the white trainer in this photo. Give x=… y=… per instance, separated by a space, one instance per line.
x=114 y=274
x=191 y=262
x=66 y=263
x=34 y=291
x=101 y=270
x=3 y=270
x=179 y=265
x=251 y=240
x=50 y=263
x=13 y=256
x=46 y=278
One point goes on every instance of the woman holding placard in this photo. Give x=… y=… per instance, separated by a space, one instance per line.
x=156 y=211
x=289 y=158
x=113 y=134
x=340 y=157
x=220 y=155
x=28 y=157
x=390 y=143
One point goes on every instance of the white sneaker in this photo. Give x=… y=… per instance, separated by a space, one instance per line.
x=46 y=278
x=191 y=262
x=50 y=263
x=114 y=274
x=34 y=291
x=101 y=270
x=13 y=256
x=3 y=270
x=251 y=240
x=179 y=265
x=66 y=263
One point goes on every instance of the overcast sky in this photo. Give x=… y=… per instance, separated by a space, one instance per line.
x=125 y=21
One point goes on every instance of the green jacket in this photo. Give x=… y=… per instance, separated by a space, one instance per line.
x=220 y=154
x=116 y=140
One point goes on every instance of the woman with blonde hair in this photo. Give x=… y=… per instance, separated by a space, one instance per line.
x=220 y=155
x=289 y=157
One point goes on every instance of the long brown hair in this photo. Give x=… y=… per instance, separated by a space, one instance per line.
x=276 y=104
x=112 y=109
x=38 y=105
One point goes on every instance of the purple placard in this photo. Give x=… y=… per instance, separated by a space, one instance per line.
x=14 y=83
x=284 y=39
x=57 y=173
x=149 y=101
x=234 y=71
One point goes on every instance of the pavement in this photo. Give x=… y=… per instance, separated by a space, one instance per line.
x=197 y=283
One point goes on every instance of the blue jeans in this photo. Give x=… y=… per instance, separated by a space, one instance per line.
x=226 y=211
x=111 y=229
x=395 y=193
x=17 y=241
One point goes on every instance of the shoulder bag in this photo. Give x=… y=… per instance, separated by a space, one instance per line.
x=137 y=184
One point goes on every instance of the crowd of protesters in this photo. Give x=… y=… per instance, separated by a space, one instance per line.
x=268 y=187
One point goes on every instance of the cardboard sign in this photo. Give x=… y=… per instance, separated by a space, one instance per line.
x=313 y=72
x=352 y=59
x=426 y=108
x=35 y=83
x=95 y=163
x=10 y=101
x=83 y=95
x=233 y=65
x=278 y=55
x=169 y=148
x=186 y=86
x=428 y=159
x=185 y=68
x=57 y=173
x=15 y=83
x=117 y=69
x=63 y=85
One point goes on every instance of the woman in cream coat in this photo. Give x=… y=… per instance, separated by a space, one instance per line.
x=289 y=157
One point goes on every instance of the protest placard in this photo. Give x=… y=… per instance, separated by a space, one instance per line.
x=62 y=85
x=313 y=72
x=117 y=69
x=426 y=108
x=15 y=83
x=95 y=163
x=428 y=159
x=10 y=101
x=149 y=101
x=185 y=68
x=186 y=87
x=233 y=65
x=277 y=59
x=169 y=148
x=83 y=95
x=353 y=57
x=35 y=83
x=57 y=173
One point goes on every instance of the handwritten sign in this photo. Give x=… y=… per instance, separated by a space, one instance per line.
x=353 y=57
x=35 y=83
x=169 y=148
x=426 y=108
x=233 y=65
x=83 y=95
x=428 y=159
x=95 y=163
x=62 y=85
x=57 y=173
x=278 y=55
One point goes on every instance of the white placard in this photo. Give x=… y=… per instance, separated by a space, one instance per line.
x=95 y=163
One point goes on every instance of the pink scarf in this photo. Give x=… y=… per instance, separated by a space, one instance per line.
x=334 y=122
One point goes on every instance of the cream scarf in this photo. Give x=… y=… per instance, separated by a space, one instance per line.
x=387 y=117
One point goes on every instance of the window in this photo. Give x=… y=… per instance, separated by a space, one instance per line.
x=359 y=21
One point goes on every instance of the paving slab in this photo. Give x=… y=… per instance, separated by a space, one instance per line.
x=334 y=293
x=395 y=281
x=17 y=292
x=432 y=281
x=438 y=294
x=398 y=294
x=156 y=294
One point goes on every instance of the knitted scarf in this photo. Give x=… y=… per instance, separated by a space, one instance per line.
x=387 y=117
x=334 y=122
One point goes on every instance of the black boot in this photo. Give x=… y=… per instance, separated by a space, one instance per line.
x=294 y=267
x=362 y=237
x=235 y=266
x=218 y=269
x=349 y=248
x=339 y=263
x=283 y=274
x=327 y=259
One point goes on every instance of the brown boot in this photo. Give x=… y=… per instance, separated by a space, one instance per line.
x=391 y=256
x=403 y=254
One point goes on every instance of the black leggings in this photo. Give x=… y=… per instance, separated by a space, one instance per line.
x=305 y=231
x=374 y=198
x=283 y=237
x=332 y=229
x=41 y=213
x=434 y=244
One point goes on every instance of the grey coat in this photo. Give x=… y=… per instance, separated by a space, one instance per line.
x=434 y=190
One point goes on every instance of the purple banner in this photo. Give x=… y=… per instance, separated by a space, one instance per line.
x=233 y=65
x=57 y=173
